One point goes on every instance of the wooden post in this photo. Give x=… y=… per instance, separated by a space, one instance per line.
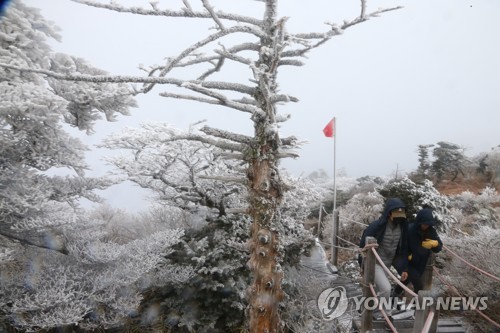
x=434 y=325
x=319 y=221
x=335 y=240
x=426 y=302
x=427 y=274
x=368 y=278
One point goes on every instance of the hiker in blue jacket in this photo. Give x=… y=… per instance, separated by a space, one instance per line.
x=391 y=232
x=422 y=239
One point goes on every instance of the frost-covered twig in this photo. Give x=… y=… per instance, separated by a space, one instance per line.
x=223 y=100
x=323 y=37
x=227 y=135
x=190 y=13
x=215 y=17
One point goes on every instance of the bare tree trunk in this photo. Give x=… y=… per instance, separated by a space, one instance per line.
x=266 y=189
x=265 y=257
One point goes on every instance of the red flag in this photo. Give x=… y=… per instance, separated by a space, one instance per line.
x=329 y=129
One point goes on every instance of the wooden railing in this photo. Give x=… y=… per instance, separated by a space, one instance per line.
x=426 y=314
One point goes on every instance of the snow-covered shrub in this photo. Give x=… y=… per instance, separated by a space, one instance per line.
x=481 y=250
x=355 y=215
x=323 y=185
x=477 y=209
x=302 y=197
x=97 y=284
x=122 y=227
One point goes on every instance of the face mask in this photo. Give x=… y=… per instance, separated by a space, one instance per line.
x=398 y=220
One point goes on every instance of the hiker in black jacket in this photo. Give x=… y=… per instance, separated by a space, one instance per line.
x=391 y=232
x=422 y=239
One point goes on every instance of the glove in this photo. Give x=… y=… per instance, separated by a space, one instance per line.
x=430 y=243
x=410 y=257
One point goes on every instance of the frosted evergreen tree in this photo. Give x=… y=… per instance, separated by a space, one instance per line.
x=417 y=196
x=34 y=111
x=423 y=160
x=449 y=160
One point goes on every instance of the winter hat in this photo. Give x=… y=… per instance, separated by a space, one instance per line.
x=398 y=212
x=424 y=216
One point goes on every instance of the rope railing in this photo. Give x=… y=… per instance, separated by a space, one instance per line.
x=361 y=223
x=441 y=278
x=341 y=247
x=471 y=265
x=346 y=248
x=345 y=240
x=408 y=290
x=428 y=322
x=384 y=314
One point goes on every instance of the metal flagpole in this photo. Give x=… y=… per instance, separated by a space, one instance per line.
x=335 y=216
x=334 y=166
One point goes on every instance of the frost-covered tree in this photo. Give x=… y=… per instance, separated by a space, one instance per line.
x=449 y=160
x=180 y=171
x=34 y=110
x=423 y=160
x=488 y=163
x=263 y=45
x=417 y=196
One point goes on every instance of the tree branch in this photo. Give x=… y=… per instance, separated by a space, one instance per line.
x=288 y=155
x=209 y=59
x=323 y=37
x=189 y=13
x=220 y=85
x=222 y=144
x=210 y=9
x=40 y=244
x=234 y=57
x=240 y=105
x=188 y=6
x=290 y=141
x=223 y=99
x=227 y=135
x=217 y=68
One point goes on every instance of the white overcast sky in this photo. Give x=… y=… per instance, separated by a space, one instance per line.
x=426 y=73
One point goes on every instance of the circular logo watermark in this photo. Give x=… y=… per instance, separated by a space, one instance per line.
x=333 y=302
